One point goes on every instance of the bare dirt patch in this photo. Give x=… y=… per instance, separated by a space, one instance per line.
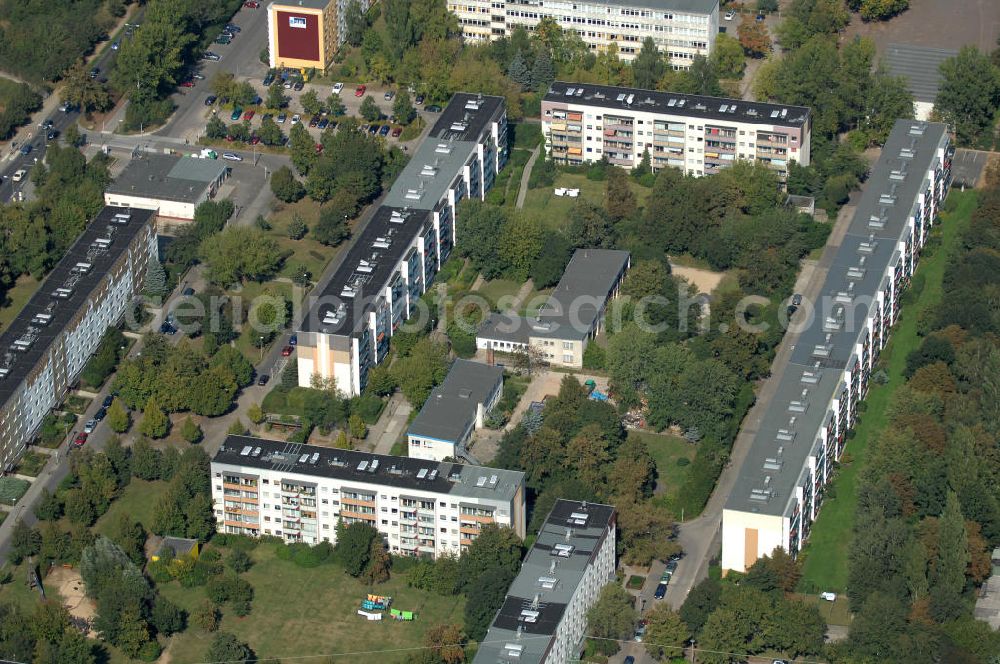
x=704 y=280
x=67 y=582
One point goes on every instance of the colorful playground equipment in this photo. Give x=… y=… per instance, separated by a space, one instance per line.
x=402 y=615
x=376 y=603
x=369 y=615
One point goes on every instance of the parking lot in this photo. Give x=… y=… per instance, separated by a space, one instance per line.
x=936 y=24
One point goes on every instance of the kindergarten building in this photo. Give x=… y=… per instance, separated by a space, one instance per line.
x=301 y=492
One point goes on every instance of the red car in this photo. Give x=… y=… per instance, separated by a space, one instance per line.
x=396 y=131
x=187 y=84
x=251 y=4
x=286 y=351
x=248 y=115
x=360 y=91
x=229 y=139
x=254 y=140
x=80 y=439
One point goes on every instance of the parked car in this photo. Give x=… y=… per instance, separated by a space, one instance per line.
x=363 y=128
x=262 y=379
x=223 y=40
x=338 y=88
x=672 y=566
x=419 y=100
x=396 y=131
x=116 y=45
x=797 y=299
x=19 y=175
x=198 y=77
x=269 y=79
x=26 y=149
x=760 y=18
x=434 y=108
x=661 y=590
x=187 y=292
x=384 y=131
x=266 y=116
x=95 y=72
x=286 y=351
x=296 y=118
x=298 y=86
x=90 y=426
x=360 y=91
x=323 y=123
x=730 y=15
x=79 y=439
x=231 y=156
x=187 y=84
x=282 y=117
x=210 y=99
x=166 y=327
x=293 y=340
x=251 y=4
x=373 y=129
x=629 y=660
x=248 y=115
x=237 y=112
x=108 y=400
x=214 y=57
x=52 y=135
x=287 y=84
x=313 y=121
x=389 y=94
x=254 y=139
x=232 y=27
x=101 y=414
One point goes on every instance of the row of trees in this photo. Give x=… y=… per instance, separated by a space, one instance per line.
x=18 y=102
x=928 y=513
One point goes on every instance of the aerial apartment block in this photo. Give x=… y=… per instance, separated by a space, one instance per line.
x=301 y=492
x=307 y=33
x=780 y=486
x=681 y=29
x=47 y=346
x=584 y=123
x=408 y=239
x=570 y=318
x=454 y=410
x=544 y=616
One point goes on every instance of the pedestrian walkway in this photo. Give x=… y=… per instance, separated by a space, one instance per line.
x=384 y=433
x=526 y=175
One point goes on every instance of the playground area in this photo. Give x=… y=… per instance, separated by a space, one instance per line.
x=300 y=611
x=65 y=582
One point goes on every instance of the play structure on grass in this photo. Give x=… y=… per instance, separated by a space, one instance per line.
x=373 y=605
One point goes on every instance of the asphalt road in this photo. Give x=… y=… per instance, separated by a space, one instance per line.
x=11 y=162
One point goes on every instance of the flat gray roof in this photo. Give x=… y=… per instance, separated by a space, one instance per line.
x=402 y=472
x=452 y=406
x=43 y=303
x=688 y=6
x=788 y=435
x=182 y=179
x=676 y=103
x=920 y=66
x=552 y=586
x=574 y=305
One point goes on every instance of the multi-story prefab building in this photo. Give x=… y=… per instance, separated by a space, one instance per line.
x=681 y=29
x=544 y=617
x=46 y=347
x=699 y=135
x=307 y=33
x=394 y=260
x=301 y=492
x=781 y=483
x=571 y=316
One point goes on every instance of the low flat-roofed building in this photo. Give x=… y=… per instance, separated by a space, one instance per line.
x=572 y=316
x=454 y=410
x=544 y=617
x=44 y=349
x=301 y=492
x=172 y=186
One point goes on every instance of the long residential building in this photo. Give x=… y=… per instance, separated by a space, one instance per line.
x=681 y=29
x=700 y=135
x=543 y=619
x=301 y=492
x=307 y=33
x=47 y=346
x=780 y=486
x=394 y=260
x=573 y=315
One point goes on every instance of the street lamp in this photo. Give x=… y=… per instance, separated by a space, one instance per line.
x=261 y=348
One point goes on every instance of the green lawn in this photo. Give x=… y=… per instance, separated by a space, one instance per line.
x=825 y=566
x=554 y=212
x=31 y=464
x=16 y=297
x=248 y=292
x=305 y=251
x=666 y=450
x=138 y=500
x=17 y=592
x=299 y=611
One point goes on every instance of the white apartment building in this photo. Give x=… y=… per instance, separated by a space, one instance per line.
x=410 y=236
x=47 y=346
x=780 y=485
x=701 y=135
x=681 y=29
x=544 y=617
x=301 y=492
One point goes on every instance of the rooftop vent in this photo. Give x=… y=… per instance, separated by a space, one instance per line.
x=256 y=452
x=493 y=481
x=856 y=273
x=771 y=463
x=121 y=217
x=443 y=148
x=246 y=450
x=821 y=350
x=529 y=616
x=810 y=377
x=867 y=247
x=473 y=104
x=458 y=126
x=797 y=406
x=62 y=293
x=672 y=102
x=898 y=174
x=397 y=217
x=314 y=458
x=41 y=319
x=363 y=466
x=422 y=473
x=785 y=435
x=373 y=466
x=907 y=153
x=413 y=194
x=513 y=650
x=547 y=582
x=760 y=495
x=775 y=113
x=562 y=550
x=887 y=199
x=381 y=243
x=879 y=220
x=916 y=130
x=481 y=481
x=428 y=171
x=304 y=458
x=82 y=267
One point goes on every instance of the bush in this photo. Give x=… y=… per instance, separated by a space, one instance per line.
x=368 y=406
x=594 y=357
x=683 y=461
